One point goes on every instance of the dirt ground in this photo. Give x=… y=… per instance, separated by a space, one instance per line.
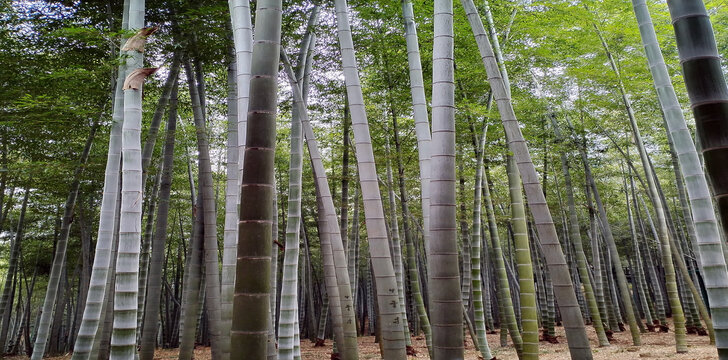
x=654 y=346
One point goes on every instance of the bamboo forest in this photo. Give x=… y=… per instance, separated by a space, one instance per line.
x=363 y=179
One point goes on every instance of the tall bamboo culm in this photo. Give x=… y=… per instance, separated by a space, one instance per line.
x=393 y=341
x=529 y=321
x=123 y=336
x=288 y=321
x=475 y=251
x=703 y=214
x=505 y=300
x=419 y=110
x=336 y=274
x=109 y=205
x=251 y=303
x=243 y=48
x=154 y=286
x=444 y=276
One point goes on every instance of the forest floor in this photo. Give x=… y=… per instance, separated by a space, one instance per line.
x=654 y=346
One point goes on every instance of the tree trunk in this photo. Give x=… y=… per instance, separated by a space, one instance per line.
x=414 y=274
x=444 y=276
x=191 y=287
x=527 y=294
x=243 y=39
x=393 y=346
x=419 y=109
x=396 y=243
x=232 y=195
x=109 y=205
x=86 y=226
x=152 y=197
x=709 y=242
x=146 y=243
x=505 y=301
x=251 y=318
x=289 y=348
x=101 y=344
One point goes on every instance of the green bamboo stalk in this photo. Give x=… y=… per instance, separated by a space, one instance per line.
x=637 y=274
x=504 y=290
x=6 y=301
x=191 y=287
x=649 y=264
x=475 y=251
x=672 y=292
x=123 y=337
x=443 y=272
x=210 y=256
x=242 y=40
x=529 y=321
x=396 y=243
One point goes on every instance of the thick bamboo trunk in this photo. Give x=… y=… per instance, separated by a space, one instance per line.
x=505 y=300
x=289 y=347
x=444 y=275
x=232 y=194
x=123 y=337
x=152 y=197
x=85 y=227
x=396 y=244
x=243 y=39
x=393 y=342
x=251 y=321
x=191 y=286
x=475 y=252
x=709 y=242
x=414 y=274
